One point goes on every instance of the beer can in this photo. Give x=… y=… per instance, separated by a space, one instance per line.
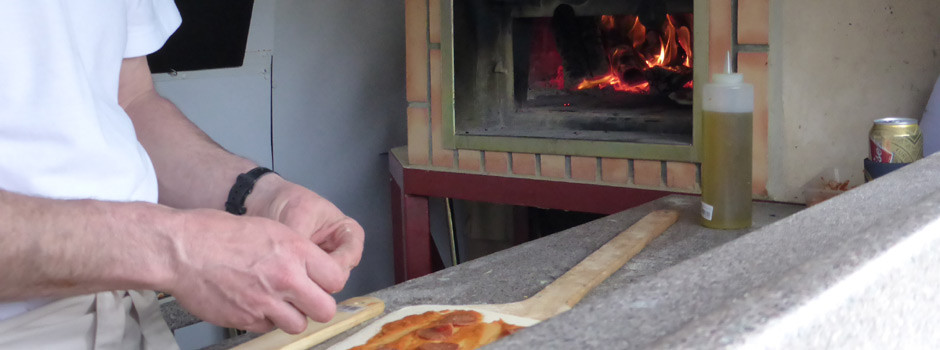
x=895 y=140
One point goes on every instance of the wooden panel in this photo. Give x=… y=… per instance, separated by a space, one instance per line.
x=584 y=168
x=469 y=160
x=418 y=143
x=416 y=50
x=648 y=173
x=754 y=68
x=523 y=164
x=417 y=237
x=496 y=162
x=681 y=175
x=439 y=155
x=615 y=170
x=753 y=16
x=553 y=166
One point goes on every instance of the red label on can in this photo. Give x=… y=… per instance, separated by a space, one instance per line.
x=880 y=154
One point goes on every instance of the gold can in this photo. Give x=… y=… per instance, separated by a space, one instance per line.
x=895 y=140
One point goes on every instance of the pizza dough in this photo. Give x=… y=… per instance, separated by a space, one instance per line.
x=432 y=321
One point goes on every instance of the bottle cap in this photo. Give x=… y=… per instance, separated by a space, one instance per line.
x=728 y=77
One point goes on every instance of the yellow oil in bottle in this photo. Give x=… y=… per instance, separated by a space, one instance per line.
x=726 y=170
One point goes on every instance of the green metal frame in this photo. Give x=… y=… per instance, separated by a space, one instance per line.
x=684 y=153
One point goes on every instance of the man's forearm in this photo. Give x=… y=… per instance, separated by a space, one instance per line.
x=70 y=247
x=192 y=170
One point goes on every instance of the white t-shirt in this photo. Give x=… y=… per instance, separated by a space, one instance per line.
x=62 y=133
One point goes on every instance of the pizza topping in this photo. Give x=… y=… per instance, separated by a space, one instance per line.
x=438 y=346
x=444 y=330
x=439 y=332
x=462 y=318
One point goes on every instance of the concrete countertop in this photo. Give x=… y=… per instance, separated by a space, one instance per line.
x=857 y=271
x=521 y=271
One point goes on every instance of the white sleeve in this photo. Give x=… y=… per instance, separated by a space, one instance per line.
x=149 y=24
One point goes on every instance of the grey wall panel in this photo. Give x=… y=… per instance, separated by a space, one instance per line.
x=339 y=105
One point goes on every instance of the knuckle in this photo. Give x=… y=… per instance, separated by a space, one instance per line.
x=284 y=279
x=259 y=327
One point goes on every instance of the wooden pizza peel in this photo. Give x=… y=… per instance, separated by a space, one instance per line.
x=557 y=297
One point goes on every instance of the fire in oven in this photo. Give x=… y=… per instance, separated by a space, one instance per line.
x=604 y=70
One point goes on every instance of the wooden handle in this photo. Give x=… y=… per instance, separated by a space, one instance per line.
x=349 y=313
x=570 y=288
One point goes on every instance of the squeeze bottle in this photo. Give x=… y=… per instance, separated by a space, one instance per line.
x=728 y=105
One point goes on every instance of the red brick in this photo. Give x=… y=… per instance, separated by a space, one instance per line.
x=753 y=21
x=584 y=168
x=496 y=162
x=615 y=170
x=648 y=173
x=469 y=160
x=681 y=175
x=416 y=50
x=434 y=18
x=418 y=143
x=523 y=164
x=553 y=166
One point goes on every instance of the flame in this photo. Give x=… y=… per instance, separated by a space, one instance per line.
x=613 y=81
x=685 y=41
x=637 y=33
x=657 y=60
x=608 y=22
x=670 y=41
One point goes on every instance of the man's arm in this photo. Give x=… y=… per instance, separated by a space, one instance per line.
x=54 y=248
x=195 y=172
x=244 y=272
x=192 y=170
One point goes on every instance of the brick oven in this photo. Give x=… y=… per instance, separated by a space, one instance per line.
x=822 y=72
x=456 y=122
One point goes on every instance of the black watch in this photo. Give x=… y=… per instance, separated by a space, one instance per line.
x=242 y=187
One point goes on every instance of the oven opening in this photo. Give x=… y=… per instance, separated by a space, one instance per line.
x=588 y=70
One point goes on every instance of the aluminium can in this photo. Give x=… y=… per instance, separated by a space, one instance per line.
x=895 y=140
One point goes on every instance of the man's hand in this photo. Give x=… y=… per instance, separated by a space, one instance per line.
x=252 y=273
x=310 y=215
x=302 y=250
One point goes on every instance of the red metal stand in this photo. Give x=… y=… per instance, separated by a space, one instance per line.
x=411 y=187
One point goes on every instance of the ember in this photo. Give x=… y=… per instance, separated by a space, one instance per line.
x=616 y=52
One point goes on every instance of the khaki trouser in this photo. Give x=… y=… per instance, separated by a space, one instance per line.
x=107 y=320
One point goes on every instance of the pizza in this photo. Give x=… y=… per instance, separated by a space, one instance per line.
x=439 y=330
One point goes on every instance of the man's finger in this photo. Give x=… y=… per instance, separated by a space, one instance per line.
x=325 y=271
x=287 y=318
x=259 y=327
x=314 y=302
x=344 y=243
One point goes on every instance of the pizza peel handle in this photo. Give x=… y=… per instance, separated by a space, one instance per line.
x=567 y=290
x=349 y=313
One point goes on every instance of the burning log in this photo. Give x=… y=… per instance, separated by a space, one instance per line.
x=579 y=43
x=665 y=80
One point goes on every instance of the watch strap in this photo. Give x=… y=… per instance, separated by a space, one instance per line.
x=244 y=183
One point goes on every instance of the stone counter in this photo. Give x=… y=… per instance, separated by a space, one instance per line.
x=857 y=271
x=521 y=271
